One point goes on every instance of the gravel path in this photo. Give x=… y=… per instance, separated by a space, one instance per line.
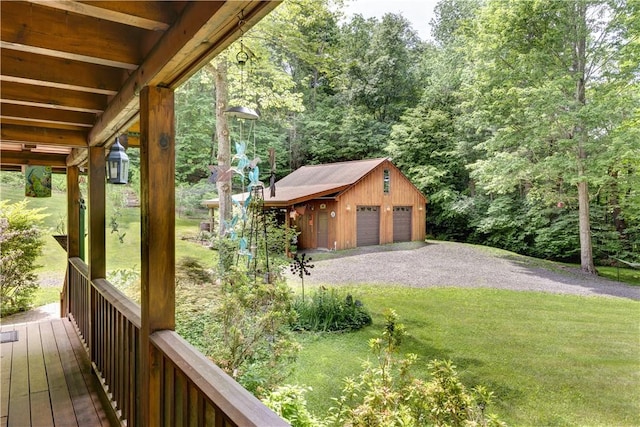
x=442 y=264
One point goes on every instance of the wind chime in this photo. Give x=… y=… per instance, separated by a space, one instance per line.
x=252 y=207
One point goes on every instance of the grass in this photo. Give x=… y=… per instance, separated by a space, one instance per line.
x=46 y=295
x=119 y=255
x=621 y=274
x=550 y=359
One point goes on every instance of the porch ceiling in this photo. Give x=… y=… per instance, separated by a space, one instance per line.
x=71 y=71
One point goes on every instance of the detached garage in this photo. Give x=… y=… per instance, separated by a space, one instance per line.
x=348 y=204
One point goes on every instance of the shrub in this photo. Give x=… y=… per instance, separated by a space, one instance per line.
x=289 y=402
x=20 y=245
x=330 y=310
x=249 y=335
x=189 y=198
x=387 y=394
x=197 y=295
x=127 y=280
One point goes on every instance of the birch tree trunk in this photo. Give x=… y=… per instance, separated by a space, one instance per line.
x=219 y=70
x=580 y=59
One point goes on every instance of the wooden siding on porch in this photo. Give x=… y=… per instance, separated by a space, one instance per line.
x=46 y=378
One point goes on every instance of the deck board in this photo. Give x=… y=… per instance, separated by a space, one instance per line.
x=61 y=404
x=19 y=414
x=6 y=350
x=47 y=379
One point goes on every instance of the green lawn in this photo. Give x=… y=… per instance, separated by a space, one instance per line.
x=124 y=255
x=550 y=359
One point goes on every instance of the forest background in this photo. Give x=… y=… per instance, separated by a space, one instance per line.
x=519 y=120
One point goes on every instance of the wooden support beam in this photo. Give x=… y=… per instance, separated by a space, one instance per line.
x=51 y=97
x=97 y=216
x=73 y=212
x=33 y=159
x=49 y=116
x=97 y=236
x=67 y=37
x=147 y=14
x=73 y=231
x=157 y=209
x=37 y=135
x=42 y=70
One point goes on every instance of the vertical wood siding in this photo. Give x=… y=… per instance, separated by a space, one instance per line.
x=370 y=192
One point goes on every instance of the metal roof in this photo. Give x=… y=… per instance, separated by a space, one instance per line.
x=315 y=181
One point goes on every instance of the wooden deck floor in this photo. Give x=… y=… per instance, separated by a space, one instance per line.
x=46 y=378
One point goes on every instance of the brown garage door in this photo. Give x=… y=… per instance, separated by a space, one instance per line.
x=368 y=224
x=402 y=223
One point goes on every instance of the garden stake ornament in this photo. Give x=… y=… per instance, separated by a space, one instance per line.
x=301 y=266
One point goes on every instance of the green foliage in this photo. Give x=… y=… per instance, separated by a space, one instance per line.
x=197 y=296
x=386 y=393
x=127 y=280
x=330 y=310
x=249 y=336
x=289 y=402
x=189 y=197
x=195 y=128
x=20 y=245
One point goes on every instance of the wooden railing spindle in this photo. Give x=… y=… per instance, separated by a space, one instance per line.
x=194 y=391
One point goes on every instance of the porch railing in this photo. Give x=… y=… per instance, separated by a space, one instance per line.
x=194 y=391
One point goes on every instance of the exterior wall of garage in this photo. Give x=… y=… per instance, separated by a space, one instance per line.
x=307 y=223
x=369 y=191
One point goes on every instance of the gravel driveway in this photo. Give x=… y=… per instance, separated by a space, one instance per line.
x=440 y=264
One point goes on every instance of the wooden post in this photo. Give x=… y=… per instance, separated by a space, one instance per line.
x=157 y=209
x=73 y=212
x=97 y=235
x=73 y=231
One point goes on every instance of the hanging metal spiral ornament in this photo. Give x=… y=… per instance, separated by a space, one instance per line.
x=242 y=57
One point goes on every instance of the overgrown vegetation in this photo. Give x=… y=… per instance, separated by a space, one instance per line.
x=240 y=324
x=249 y=336
x=20 y=245
x=330 y=310
x=387 y=392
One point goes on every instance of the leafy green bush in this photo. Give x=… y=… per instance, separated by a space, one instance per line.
x=197 y=295
x=289 y=402
x=330 y=310
x=127 y=280
x=387 y=394
x=249 y=335
x=20 y=245
x=189 y=198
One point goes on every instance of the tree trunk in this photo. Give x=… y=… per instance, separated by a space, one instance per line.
x=219 y=70
x=580 y=58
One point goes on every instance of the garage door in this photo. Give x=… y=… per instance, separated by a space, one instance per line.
x=368 y=224
x=402 y=223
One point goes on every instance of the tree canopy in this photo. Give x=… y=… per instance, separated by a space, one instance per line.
x=519 y=120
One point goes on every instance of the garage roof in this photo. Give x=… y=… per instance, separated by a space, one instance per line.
x=312 y=182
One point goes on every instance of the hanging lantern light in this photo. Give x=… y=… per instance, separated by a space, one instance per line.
x=117 y=164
